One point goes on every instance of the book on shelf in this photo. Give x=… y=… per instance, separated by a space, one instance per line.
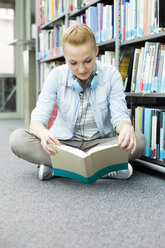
x=127 y=85
x=157 y=77
x=135 y=68
x=48 y=10
x=89 y=166
x=124 y=63
x=147 y=130
x=107 y=57
x=139 y=70
x=141 y=17
x=160 y=13
x=151 y=122
x=77 y=4
x=139 y=119
x=38 y=13
x=146 y=71
x=100 y=19
x=145 y=11
x=51 y=41
x=91 y=19
x=159 y=126
x=124 y=22
x=45 y=69
x=70 y=6
x=145 y=64
x=153 y=133
x=99 y=22
x=162 y=137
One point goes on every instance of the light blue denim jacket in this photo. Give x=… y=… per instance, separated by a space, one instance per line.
x=107 y=101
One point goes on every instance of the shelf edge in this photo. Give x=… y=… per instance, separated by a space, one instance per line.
x=150 y=165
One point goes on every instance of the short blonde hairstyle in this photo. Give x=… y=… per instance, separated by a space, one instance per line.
x=77 y=35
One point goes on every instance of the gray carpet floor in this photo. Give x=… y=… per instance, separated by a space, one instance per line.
x=64 y=213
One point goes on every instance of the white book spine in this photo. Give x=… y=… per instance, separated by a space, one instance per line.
x=122 y=20
x=127 y=20
x=146 y=73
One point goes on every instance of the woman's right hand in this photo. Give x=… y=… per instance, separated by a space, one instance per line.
x=49 y=142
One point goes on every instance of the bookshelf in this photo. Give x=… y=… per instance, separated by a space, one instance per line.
x=120 y=43
x=46 y=26
x=148 y=100
x=147 y=97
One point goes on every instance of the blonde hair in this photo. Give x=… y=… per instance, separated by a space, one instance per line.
x=77 y=35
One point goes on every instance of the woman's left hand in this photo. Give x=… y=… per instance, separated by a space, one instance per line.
x=126 y=138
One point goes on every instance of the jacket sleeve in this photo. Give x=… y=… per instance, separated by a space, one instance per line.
x=46 y=99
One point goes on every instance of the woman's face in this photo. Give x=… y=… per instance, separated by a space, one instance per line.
x=81 y=59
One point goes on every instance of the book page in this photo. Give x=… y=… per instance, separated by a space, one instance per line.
x=72 y=150
x=103 y=146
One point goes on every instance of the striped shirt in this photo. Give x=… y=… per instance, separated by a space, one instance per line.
x=85 y=127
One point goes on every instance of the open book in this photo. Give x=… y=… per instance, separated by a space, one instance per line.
x=89 y=166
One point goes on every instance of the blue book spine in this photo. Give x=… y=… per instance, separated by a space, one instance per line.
x=152 y=84
x=113 y=22
x=158 y=86
x=137 y=89
x=92 y=18
x=155 y=83
x=95 y=20
x=143 y=118
x=149 y=87
x=162 y=85
x=162 y=138
x=47 y=11
x=98 y=37
x=148 y=28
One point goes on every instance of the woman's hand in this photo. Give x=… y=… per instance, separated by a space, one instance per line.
x=49 y=142
x=126 y=138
